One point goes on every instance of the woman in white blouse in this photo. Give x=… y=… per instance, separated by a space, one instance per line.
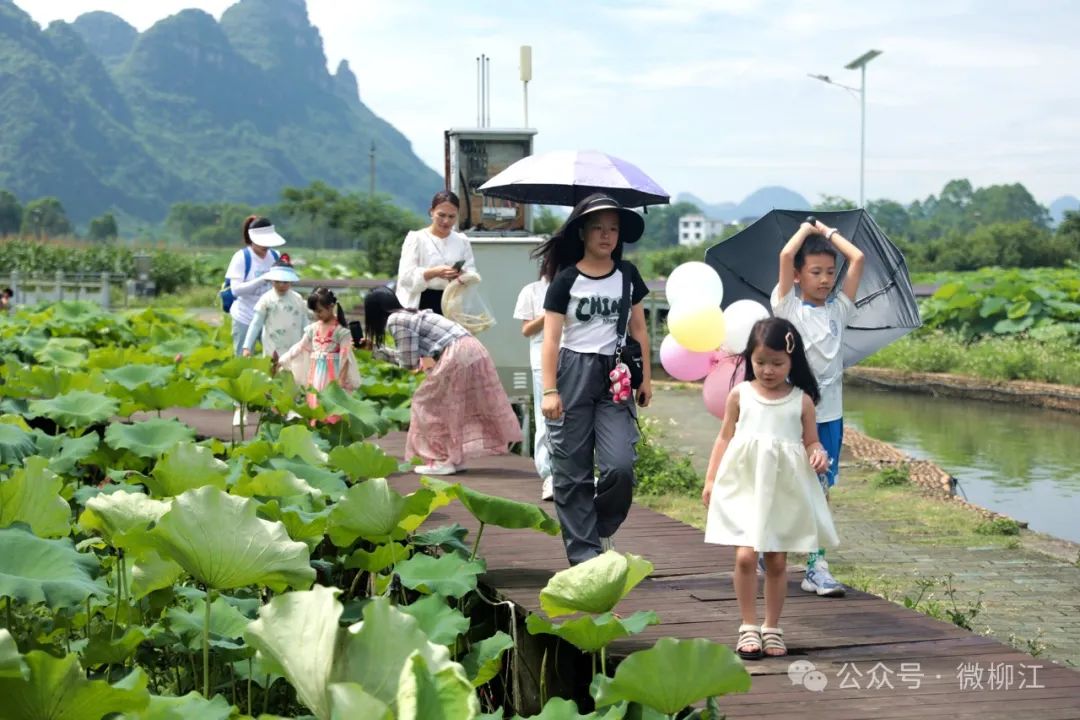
x=434 y=257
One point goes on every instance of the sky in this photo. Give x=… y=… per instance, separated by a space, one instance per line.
x=713 y=97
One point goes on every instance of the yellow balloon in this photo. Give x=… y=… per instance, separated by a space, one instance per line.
x=699 y=329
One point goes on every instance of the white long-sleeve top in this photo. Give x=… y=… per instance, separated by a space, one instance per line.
x=423 y=250
x=249 y=289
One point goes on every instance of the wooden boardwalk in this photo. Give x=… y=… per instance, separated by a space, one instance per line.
x=876 y=659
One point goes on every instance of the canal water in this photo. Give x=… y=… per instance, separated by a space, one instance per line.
x=1020 y=461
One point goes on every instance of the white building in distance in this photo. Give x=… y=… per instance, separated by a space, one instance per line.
x=697 y=229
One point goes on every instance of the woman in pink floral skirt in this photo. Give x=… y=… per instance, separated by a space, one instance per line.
x=460 y=410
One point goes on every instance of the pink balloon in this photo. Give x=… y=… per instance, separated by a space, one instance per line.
x=683 y=364
x=718 y=384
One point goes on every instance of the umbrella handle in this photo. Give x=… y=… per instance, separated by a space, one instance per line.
x=811 y=219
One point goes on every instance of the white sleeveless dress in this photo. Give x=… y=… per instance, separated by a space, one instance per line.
x=766 y=495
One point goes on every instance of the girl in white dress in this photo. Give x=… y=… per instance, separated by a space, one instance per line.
x=761 y=488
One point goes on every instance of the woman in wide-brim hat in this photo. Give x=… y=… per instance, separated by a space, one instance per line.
x=587 y=428
x=280 y=314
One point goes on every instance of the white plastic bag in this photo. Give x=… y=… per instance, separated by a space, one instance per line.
x=463 y=303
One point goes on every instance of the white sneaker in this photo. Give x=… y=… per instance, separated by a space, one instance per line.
x=236 y=418
x=607 y=543
x=435 y=469
x=547 y=491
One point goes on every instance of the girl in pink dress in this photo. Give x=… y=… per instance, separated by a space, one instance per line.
x=324 y=354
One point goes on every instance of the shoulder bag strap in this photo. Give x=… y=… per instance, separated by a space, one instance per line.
x=622 y=325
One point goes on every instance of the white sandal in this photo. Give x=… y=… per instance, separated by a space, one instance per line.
x=773 y=639
x=749 y=635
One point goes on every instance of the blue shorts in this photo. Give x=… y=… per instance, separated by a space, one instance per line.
x=831 y=435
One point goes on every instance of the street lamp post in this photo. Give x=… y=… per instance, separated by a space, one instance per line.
x=860 y=64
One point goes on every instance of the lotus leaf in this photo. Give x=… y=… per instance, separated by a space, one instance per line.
x=227 y=624
x=349 y=701
x=149 y=438
x=440 y=622
x=15 y=444
x=370 y=510
x=592 y=634
x=447 y=537
x=419 y=505
x=296 y=441
x=562 y=709
x=448 y=575
x=218 y=540
x=11 y=662
x=273 y=483
x=58 y=688
x=380 y=646
x=34 y=570
x=132 y=376
x=103 y=650
x=178 y=393
x=363 y=415
x=379 y=559
x=65 y=452
x=76 y=409
x=32 y=496
x=251 y=387
x=705 y=669
x=494 y=510
x=330 y=483
x=152 y=572
x=60 y=354
x=184 y=467
x=594 y=586
x=303 y=525
x=363 y=460
x=192 y=705
x=426 y=695
x=298 y=631
x=122 y=518
x=484 y=660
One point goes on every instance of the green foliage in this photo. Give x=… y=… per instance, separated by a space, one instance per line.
x=834 y=202
x=103 y=228
x=892 y=476
x=45 y=217
x=657 y=470
x=11 y=213
x=999 y=526
x=152 y=578
x=1043 y=302
x=994 y=358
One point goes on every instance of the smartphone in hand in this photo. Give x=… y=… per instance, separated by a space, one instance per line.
x=458 y=265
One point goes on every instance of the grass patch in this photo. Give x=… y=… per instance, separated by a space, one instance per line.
x=893 y=476
x=998 y=526
x=992 y=358
x=684 y=508
x=658 y=471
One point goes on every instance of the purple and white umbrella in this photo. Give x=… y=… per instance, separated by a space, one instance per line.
x=565 y=177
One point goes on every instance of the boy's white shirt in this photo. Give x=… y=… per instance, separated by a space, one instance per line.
x=530 y=305
x=822 y=330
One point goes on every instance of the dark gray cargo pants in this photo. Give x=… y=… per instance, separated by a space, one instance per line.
x=593 y=433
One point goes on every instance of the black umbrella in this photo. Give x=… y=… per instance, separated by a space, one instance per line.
x=885 y=306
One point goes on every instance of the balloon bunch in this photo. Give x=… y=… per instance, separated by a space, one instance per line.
x=706 y=341
x=620 y=383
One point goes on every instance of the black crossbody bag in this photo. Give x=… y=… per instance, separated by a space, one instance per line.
x=627 y=349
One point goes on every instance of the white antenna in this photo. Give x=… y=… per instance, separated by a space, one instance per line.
x=526 y=76
x=479 y=93
x=487 y=89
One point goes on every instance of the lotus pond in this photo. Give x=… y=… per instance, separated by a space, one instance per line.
x=151 y=574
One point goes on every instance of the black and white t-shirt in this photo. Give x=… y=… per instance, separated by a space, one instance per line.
x=591 y=306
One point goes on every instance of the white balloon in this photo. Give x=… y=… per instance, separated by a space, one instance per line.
x=739 y=318
x=694 y=284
